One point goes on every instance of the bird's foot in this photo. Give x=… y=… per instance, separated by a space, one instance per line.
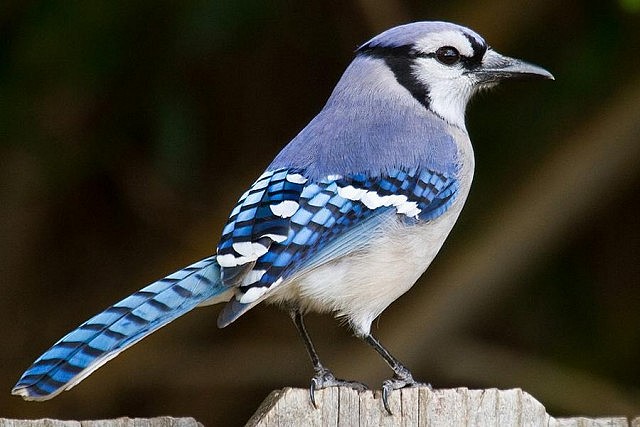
x=401 y=379
x=324 y=378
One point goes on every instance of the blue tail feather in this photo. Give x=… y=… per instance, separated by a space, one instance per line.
x=105 y=335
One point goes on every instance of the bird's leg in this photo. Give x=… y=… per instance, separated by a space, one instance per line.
x=401 y=375
x=324 y=377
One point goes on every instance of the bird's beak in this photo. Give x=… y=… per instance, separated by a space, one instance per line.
x=496 y=67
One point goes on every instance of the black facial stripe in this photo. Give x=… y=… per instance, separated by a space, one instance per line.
x=400 y=60
x=377 y=51
x=479 y=49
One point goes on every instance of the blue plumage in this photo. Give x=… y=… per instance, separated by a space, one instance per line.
x=321 y=213
x=345 y=219
x=123 y=324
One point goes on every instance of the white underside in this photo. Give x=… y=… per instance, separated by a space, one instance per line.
x=361 y=286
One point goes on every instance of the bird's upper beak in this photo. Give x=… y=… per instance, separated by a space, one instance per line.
x=496 y=67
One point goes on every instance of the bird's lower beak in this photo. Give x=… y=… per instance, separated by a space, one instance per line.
x=496 y=67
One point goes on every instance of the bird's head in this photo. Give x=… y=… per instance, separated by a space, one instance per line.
x=442 y=65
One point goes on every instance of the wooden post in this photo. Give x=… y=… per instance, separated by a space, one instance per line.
x=117 y=422
x=291 y=407
x=415 y=407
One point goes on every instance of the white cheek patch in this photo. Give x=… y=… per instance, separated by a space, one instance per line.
x=433 y=41
x=430 y=71
x=449 y=89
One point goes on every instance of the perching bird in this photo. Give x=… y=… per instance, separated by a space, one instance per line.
x=345 y=219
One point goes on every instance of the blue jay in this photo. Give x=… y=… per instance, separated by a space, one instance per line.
x=344 y=220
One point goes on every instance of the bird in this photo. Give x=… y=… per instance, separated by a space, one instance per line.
x=344 y=220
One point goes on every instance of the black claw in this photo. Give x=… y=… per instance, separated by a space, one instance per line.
x=396 y=383
x=312 y=392
x=385 y=399
x=324 y=379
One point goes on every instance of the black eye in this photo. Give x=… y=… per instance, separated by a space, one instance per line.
x=447 y=55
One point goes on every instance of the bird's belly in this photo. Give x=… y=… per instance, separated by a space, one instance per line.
x=360 y=286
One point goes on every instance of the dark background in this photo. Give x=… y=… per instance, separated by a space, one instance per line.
x=129 y=129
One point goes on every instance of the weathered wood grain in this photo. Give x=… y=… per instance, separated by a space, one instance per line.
x=291 y=407
x=414 y=407
x=116 y=422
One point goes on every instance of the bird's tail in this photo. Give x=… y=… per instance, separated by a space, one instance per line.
x=104 y=336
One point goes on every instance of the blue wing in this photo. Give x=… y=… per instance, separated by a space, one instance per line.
x=286 y=224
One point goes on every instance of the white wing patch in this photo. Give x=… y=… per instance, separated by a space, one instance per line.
x=410 y=209
x=373 y=200
x=253 y=276
x=250 y=249
x=230 y=260
x=278 y=238
x=256 y=292
x=296 y=178
x=284 y=209
x=351 y=193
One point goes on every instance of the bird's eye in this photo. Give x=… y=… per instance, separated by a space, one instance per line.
x=448 y=55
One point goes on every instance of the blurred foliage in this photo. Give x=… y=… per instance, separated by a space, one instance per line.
x=128 y=130
x=630 y=5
